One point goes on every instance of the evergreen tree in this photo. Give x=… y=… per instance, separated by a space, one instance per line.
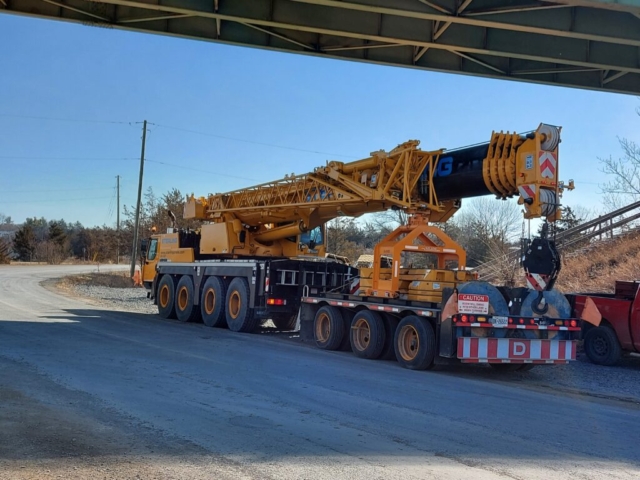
x=57 y=234
x=24 y=242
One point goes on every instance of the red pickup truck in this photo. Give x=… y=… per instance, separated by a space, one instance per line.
x=619 y=328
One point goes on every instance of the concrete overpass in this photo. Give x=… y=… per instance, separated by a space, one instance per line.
x=592 y=44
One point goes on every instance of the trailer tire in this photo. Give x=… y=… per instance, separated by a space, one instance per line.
x=601 y=346
x=240 y=316
x=286 y=321
x=214 y=296
x=186 y=311
x=367 y=334
x=415 y=343
x=390 y=326
x=167 y=297
x=328 y=328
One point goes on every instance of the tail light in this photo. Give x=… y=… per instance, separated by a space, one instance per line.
x=574 y=323
x=276 y=301
x=465 y=318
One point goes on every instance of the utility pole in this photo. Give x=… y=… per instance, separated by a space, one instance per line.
x=134 y=248
x=118 y=219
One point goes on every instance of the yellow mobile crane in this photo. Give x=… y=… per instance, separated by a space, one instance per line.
x=260 y=254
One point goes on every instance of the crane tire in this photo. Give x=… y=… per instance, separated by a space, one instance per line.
x=602 y=346
x=415 y=343
x=166 y=297
x=214 y=295
x=287 y=321
x=186 y=310
x=389 y=350
x=367 y=334
x=240 y=315
x=328 y=328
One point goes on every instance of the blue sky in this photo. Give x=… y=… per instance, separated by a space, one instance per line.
x=344 y=110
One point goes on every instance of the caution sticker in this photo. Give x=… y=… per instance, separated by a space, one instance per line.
x=471 y=303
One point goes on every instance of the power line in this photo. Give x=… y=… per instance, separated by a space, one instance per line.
x=253 y=142
x=199 y=170
x=84 y=199
x=56 y=119
x=102 y=159
x=56 y=190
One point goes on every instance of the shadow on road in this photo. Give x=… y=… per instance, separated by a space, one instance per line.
x=126 y=380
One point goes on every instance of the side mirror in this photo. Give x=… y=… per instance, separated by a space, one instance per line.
x=144 y=245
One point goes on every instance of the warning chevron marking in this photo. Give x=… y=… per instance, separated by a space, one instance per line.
x=548 y=163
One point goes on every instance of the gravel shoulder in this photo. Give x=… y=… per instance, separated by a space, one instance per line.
x=620 y=383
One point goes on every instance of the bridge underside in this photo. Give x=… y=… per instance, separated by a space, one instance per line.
x=591 y=44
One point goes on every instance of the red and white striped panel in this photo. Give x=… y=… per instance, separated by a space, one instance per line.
x=548 y=164
x=515 y=349
x=527 y=191
x=537 y=281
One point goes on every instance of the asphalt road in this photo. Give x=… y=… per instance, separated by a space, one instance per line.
x=255 y=406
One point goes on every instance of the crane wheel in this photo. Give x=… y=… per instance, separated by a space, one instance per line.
x=367 y=334
x=415 y=343
x=240 y=317
x=166 y=297
x=286 y=321
x=214 y=293
x=186 y=311
x=328 y=328
x=390 y=326
x=602 y=346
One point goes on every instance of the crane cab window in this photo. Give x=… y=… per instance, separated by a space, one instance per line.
x=314 y=235
x=153 y=249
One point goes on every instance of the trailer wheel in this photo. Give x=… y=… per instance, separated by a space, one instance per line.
x=286 y=321
x=367 y=334
x=601 y=346
x=390 y=326
x=214 y=293
x=239 y=313
x=166 y=297
x=415 y=343
x=186 y=311
x=328 y=328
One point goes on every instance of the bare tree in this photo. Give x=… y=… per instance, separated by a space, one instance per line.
x=487 y=228
x=624 y=186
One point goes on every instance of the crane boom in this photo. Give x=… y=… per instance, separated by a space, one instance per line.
x=427 y=182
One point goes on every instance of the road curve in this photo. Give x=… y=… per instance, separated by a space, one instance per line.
x=260 y=407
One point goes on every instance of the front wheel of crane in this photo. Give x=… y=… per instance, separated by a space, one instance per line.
x=240 y=317
x=166 y=297
x=214 y=295
x=415 y=343
x=367 y=334
x=186 y=311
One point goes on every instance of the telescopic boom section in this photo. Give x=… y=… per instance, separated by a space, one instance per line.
x=382 y=181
